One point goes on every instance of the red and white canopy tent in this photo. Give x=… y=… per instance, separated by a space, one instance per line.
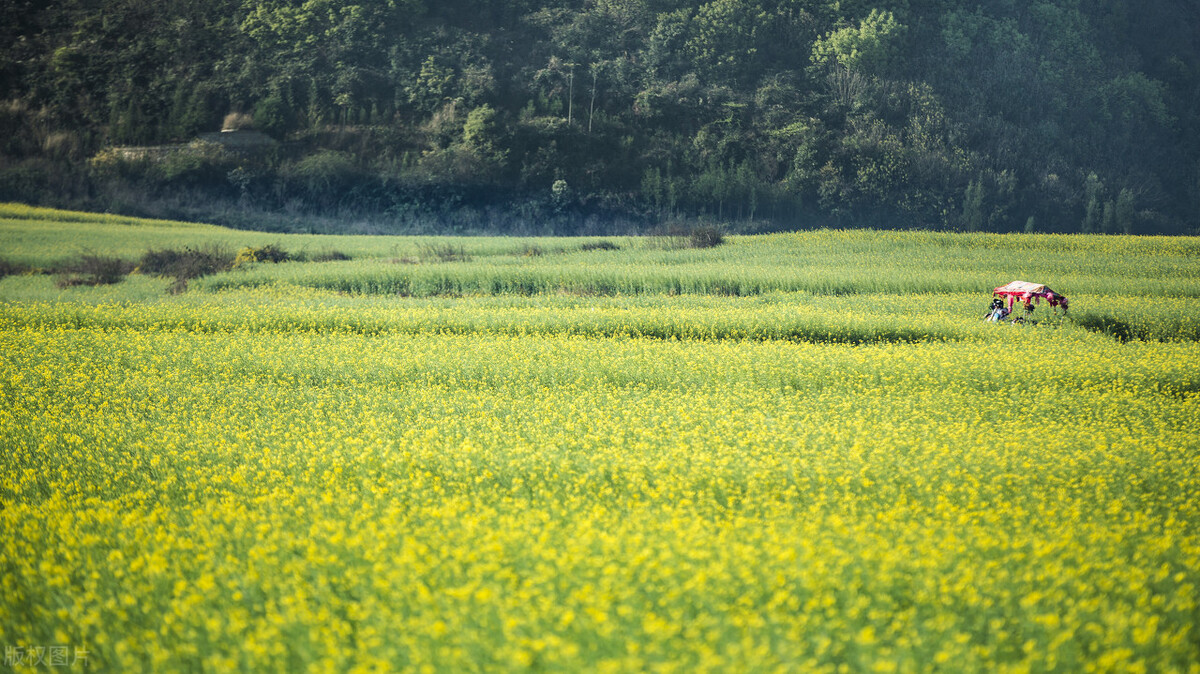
x=1030 y=292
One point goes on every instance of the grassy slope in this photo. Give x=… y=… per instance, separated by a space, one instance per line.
x=41 y=236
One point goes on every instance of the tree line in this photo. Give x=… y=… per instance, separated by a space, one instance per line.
x=611 y=115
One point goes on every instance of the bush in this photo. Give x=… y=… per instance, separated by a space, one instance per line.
x=186 y=264
x=235 y=121
x=706 y=236
x=323 y=175
x=674 y=236
x=671 y=236
x=199 y=163
x=268 y=253
x=11 y=268
x=443 y=252
x=25 y=180
x=271 y=253
x=600 y=245
x=273 y=117
x=329 y=256
x=94 y=270
x=111 y=164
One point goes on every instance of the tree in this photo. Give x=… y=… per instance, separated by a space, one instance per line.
x=273 y=117
x=870 y=47
x=481 y=136
x=433 y=88
x=723 y=40
x=1093 y=192
x=1123 y=214
x=973 y=216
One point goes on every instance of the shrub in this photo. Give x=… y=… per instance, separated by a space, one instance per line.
x=329 y=256
x=94 y=270
x=671 y=236
x=268 y=253
x=322 y=175
x=706 y=236
x=26 y=179
x=273 y=117
x=185 y=264
x=271 y=253
x=197 y=164
x=443 y=252
x=235 y=121
x=675 y=236
x=600 y=245
x=11 y=268
x=111 y=164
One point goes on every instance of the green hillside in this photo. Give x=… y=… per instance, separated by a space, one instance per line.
x=608 y=116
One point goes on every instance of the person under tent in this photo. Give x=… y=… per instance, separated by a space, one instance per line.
x=1029 y=294
x=998 y=311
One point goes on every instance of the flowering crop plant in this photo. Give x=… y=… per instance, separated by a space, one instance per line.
x=619 y=460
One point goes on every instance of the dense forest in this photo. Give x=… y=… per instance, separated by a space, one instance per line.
x=590 y=116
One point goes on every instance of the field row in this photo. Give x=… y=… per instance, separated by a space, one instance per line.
x=708 y=276
x=816 y=262
x=855 y=319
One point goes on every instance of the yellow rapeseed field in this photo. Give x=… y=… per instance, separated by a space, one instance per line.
x=283 y=479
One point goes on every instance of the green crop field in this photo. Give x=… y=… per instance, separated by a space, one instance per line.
x=789 y=452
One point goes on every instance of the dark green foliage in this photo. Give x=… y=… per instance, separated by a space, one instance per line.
x=973 y=218
x=271 y=252
x=673 y=235
x=94 y=270
x=443 y=252
x=677 y=235
x=329 y=255
x=185 y=264
x=322 y=178
x=9 y=268
x=612 y=116
x=1123 y=215
x=273 y=116
x=599 y=245
x=198 y=164
x=706 y=236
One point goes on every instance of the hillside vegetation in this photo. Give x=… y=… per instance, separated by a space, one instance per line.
x=609 y=116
